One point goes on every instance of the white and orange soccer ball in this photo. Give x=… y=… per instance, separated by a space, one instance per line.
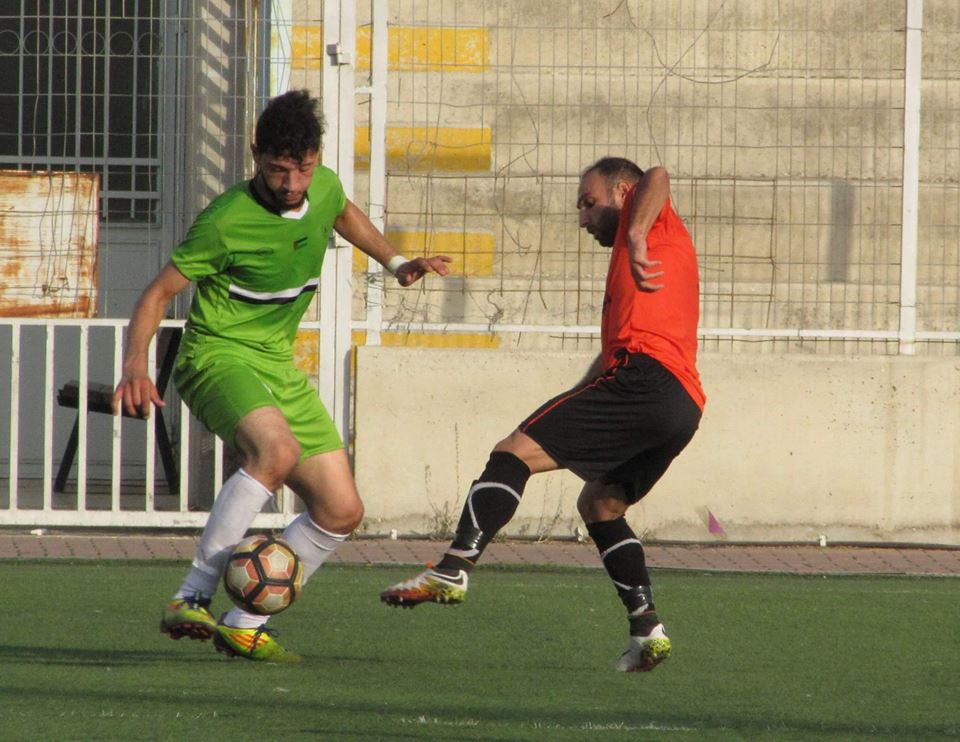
x=263 y=575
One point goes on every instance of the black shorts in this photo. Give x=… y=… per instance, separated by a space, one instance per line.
x=624 y=426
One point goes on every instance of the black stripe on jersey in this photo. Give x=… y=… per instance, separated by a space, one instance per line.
x=309 y=288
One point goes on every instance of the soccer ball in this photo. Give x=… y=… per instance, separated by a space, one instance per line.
x=263 y=575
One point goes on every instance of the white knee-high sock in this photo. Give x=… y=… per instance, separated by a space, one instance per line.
x=237 y=504
x=313 y=545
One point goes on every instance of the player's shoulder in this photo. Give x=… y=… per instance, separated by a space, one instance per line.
x=326 y=192
x=325 y=180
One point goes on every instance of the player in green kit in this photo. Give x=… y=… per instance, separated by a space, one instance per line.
x=255 y=255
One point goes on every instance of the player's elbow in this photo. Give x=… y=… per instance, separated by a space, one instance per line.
x=658 y=176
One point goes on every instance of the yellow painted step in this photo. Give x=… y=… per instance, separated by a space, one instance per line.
x=410 y=48
x=307 y=345
x=429 y=148
x=306 y=351
x=431 y=339
x=472 y=252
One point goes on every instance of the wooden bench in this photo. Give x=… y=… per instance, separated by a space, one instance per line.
x=100 y=398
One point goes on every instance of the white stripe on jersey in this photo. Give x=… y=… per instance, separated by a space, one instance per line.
x=266 y=296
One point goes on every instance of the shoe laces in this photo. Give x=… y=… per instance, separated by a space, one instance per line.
x=196 y=601
x=268 y=630
x=261 y=630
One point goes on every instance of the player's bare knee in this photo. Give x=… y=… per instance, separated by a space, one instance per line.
x=354 y=517
x=350 y=514
x=586 y=508
x=288 y=457
x=506 y=445
x=599 y=503
x=342 y=518
x=272 y=463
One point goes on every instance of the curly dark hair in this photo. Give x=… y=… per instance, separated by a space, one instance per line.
x=290 y=126
x=615 y=169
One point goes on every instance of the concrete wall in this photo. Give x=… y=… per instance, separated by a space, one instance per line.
x=790 y=448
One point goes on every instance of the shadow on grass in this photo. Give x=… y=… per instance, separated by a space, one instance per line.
x=330 y=716
x=466 y=722
x=88 y=657
x=337 y=711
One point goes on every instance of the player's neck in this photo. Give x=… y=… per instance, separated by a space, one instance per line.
x=265 y=197
x=298 y=212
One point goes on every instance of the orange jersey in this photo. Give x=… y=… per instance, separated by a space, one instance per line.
x=662 y=324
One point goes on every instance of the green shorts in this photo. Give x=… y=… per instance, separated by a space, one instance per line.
x=221 y=386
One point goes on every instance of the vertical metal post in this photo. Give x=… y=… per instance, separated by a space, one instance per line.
x=14 y=413
x=82 y=415
x=49 y=329
x=116 y=444
x=378 y=162
x=911 y=177
x=281 y=30
x=184 y=496
x=339 y=37
x=151 y=451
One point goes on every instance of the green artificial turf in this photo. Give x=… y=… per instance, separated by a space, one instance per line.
x=527 y=657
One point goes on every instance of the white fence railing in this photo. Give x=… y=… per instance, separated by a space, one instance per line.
x=118 y=482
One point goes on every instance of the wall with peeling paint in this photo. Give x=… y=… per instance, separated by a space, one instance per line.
x=48 y=244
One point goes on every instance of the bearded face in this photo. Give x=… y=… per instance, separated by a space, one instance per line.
x=599 y=208
x=282 y=181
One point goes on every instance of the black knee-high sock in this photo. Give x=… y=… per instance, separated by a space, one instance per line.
x=491 y=503
x=623 y=557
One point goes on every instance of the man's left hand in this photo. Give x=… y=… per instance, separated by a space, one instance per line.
x=415 y=269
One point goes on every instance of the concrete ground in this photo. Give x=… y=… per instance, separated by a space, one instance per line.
x=722 y=557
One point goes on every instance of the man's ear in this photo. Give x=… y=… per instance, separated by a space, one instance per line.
x=621 y=190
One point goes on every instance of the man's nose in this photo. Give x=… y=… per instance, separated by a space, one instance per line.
x=299 y=181
x=584 y=218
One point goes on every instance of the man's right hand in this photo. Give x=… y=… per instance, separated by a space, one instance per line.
x=136 y=391
x=641 y=267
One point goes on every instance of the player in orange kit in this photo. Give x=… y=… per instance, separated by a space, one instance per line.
x=621 y=427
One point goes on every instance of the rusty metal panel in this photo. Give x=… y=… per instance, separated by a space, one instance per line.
x=48 y=244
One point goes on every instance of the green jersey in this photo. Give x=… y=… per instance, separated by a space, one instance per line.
x=257 y=269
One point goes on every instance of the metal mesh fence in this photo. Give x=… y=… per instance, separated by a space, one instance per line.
x=939 y=215
x=781 y=123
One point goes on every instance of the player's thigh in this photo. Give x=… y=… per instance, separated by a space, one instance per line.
x=305 y=413
x=638 y=475
x=223 y=389
x=528 y=451
x=596 y=426
x=221 y=393
x=325 y=483
x=264 y=439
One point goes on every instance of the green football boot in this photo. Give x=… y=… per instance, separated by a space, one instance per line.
x=190 y=617
x=259 y=645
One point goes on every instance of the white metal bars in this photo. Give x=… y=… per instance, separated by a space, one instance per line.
x=116 y=466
